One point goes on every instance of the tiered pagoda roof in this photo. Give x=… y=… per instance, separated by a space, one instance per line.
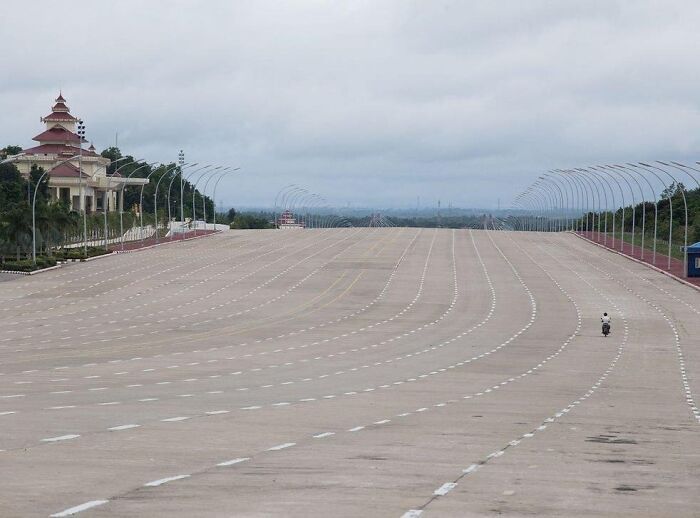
x=57 y=134
x=60 y=112
x=66 y=170
x=57 y=139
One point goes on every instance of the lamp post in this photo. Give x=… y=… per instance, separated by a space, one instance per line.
x=551 y=182
x=670 y=209
x=575 y=200
x=194 y=192
x=649 y=169
x=634 y=172
x=121 y=198
x=624 y=174
x=182 y=180
x=223 y=172
x=596 y=178
x=680 y=187
x=34 y=204
x=292 y=200
x=155 y=197
x=81 y=137
x=554 y=180
x=216 y=184
x=634 y=210
x=274 y=209
x=105 y=203
x=181 y=163
x=603 y=177
x=678 y=166
x=181 y=166
x=287 y=195
x=550 y=202
x=585 y=202
x=141 y=203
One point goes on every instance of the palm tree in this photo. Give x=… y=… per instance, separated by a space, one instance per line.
x=17 y=227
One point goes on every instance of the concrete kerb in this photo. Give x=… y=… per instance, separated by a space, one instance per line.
x=59 y=265
x=669 y=274
x=166 y=242
x=32 y=273
x=107 y=255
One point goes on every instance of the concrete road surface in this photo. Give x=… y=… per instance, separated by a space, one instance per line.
x=351 y=372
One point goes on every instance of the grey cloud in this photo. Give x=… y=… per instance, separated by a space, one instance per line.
x=366 y=102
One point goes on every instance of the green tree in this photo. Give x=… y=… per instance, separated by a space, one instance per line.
x=9 y=151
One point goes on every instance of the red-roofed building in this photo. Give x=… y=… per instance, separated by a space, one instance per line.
x=83 y=180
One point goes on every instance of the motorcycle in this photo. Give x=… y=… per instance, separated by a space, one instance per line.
x=606 y=329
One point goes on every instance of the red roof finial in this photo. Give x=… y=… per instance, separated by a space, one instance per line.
x=60 y=98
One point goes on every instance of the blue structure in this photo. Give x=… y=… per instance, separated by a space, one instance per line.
x=694 y=260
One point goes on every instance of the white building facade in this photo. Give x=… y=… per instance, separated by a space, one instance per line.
x=82 y=182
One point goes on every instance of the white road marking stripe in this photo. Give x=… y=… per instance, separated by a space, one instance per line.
x=61 y=438
x=174 y=419
x=123 y=427
x=444 y=489
x=159 y=482
x=78 y=508
x=324 y=434
x=282 y=446
x=413 y=513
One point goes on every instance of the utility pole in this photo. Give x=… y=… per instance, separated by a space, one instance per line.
x=181 y=162
x=81 y=136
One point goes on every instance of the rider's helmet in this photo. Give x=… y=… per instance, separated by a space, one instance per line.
x=605 y=314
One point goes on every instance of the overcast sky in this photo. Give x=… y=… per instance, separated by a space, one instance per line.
x=368 y=103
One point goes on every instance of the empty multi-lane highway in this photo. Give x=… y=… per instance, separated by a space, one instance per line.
x=351 y=372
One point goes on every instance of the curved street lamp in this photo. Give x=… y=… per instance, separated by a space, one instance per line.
x=650 y=169
x=180 y=167
x=155 y=194
x=36 y=189
x=183 y=179
x=194 y=192
x=679 y=187
x=121 y=198
x=656 y=207
x=220 y=174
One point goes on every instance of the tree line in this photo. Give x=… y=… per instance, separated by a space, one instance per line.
x=58 y=225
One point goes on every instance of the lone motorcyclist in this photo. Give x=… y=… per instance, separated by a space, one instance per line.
x=605 y=319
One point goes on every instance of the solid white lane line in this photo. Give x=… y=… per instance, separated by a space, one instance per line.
x=161 y=481
x=61 y=438
x=78 y=508
x=233 y=461
x=282 y=446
